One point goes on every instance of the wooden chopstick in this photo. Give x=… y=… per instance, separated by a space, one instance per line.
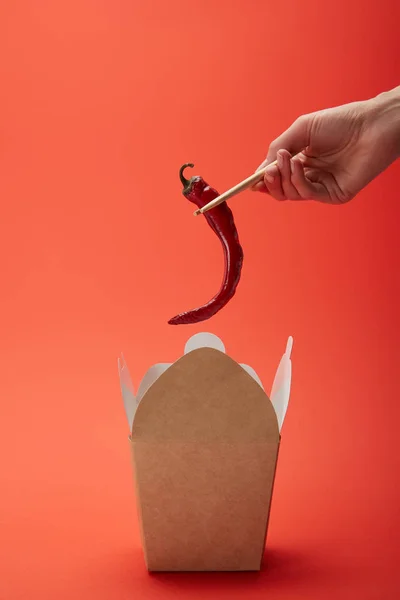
x=240 y=187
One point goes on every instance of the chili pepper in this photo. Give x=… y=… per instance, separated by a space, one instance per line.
x=221 y=221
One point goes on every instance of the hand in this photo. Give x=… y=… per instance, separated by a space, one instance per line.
x=338 y=151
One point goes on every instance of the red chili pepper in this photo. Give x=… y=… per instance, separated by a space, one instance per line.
x=220 y=219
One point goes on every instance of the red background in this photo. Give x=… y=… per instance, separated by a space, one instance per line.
x=100 y=104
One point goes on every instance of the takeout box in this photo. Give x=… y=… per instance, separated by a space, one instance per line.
x=204 y=444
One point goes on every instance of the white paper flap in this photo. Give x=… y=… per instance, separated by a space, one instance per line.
x=204 y=340
x=127 y=391
x=150 y=377
x=252 y=374
x=280 y=391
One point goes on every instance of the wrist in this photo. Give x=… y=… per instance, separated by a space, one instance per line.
x=386 y=110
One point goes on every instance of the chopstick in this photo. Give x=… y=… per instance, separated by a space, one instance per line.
x=240 y=187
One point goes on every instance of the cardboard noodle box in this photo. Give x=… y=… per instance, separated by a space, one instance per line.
x=204 y=445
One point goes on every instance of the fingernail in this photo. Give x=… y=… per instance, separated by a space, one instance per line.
x=291 y=166
x=270 y=175
x=280 y=160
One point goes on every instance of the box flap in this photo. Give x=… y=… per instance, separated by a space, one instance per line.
x=127 y=390
x=280 y=391
x=205 y=396
x=209 y=340
x=149 y=378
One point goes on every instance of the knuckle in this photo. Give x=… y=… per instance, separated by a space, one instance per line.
x=296 y=176
x=290 y=192
x=303 y=190
x=305 y=117
x=273 y=147
x=304 y=122
x=300 y=121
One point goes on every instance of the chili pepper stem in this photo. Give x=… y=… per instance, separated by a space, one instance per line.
x=185 y=182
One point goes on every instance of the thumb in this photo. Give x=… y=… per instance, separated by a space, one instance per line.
x=294 y=140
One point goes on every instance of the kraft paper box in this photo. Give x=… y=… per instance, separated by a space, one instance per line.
x=204 y=444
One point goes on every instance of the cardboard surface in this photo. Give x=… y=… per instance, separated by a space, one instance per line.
x=204 y=445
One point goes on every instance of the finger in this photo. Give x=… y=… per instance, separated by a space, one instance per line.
x=306 y=189
x=294 y=139
x=269 y=176
x=288 y=188
x=330 y=190
x=273 y=183
x=259 y=187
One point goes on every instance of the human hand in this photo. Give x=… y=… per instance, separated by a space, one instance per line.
x=338 y=151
